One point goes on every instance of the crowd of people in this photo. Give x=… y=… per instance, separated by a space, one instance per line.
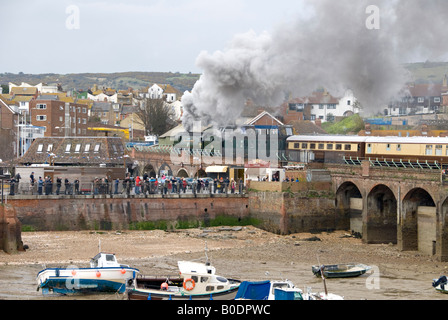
x=129 y=185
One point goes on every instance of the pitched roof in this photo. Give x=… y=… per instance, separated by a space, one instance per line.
x=22 y=98
x=425 y=90
x=263 y=114
x=10 y=105
x=76 y=150
x=24 y=90
x=303 y=127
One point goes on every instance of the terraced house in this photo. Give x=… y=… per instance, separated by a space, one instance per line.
x=59 y=118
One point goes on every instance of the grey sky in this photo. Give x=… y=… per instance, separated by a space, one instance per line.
x=132 y=35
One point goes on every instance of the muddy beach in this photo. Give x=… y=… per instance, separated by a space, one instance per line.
x=244 y=253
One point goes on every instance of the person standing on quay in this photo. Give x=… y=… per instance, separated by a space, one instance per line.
x=76 y=186
x=40 y=184
x=58 y=185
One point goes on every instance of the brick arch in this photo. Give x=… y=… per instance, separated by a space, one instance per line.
x=381 y=210
x=182 y=172
x=165 y=166
x=419 y=220
x=349 y=206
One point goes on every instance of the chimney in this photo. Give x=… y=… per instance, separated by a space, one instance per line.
x=368 y=129
x=424 y=129
x=318 y=123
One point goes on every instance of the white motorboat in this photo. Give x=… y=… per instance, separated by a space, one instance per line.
x=105 y=274
x=196 y=281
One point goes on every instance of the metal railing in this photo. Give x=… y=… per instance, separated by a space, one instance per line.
x=395 y=163
x=120 y=187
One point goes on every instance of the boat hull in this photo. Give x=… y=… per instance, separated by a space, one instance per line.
x=136 y=294
x=85 y=280
x=340 y=271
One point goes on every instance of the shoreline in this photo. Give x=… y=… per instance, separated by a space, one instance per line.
x=245 y=253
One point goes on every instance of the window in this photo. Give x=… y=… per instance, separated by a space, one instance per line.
x=77 y=148
x=296 y=145
x=87 y=148
x=40 y=147
x=321 y=146
x=321 y=107
x=329 y=146
x=204 y=279
x=348 y=147
x=349 y=102
x=97 y=148
x=331 y=106
x=398 y=147
x=437 y=99
x=61 y=119
x=41 y=106
x=67 y=148
x=304 y=145
x=41 y=118
x=429 y=150
x=421 y=99
x=388 y=147
x=50 y=148
x=84 y=110
x=312 y=146
x=84 y=121
x=439 y=150
x=339 y=147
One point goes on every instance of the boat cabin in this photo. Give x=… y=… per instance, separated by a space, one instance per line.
x=104 y=260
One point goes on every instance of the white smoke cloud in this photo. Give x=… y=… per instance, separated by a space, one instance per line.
x=332 y=48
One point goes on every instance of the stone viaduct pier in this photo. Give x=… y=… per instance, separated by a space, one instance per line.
x=406 y=207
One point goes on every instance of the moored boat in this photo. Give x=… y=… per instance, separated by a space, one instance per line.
x=279 y=290
x=196 y=281
x=340 y=270
x=104 y=275
x=440 y=284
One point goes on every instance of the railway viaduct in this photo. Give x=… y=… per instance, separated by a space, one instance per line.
x=159 y=160
x=406 y=207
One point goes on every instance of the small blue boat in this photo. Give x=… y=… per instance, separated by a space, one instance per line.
x=105 y=275
x=441 y=284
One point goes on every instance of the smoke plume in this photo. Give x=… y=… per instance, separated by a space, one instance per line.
x=332 y=48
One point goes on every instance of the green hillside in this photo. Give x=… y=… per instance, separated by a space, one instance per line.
x=423 y=72
x=120 y=81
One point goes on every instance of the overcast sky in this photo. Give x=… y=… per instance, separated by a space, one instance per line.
x=41 y=36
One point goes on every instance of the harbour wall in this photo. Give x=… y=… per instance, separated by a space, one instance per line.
x=283 y=212
x=67 y=213
x=286 y=208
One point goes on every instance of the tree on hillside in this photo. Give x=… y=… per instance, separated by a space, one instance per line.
x=156 y=116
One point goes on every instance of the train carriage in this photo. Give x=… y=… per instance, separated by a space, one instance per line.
x=325 y=148
x=400 y=151
x=408 y=149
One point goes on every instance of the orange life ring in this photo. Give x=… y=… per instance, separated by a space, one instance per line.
x=189 y=288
